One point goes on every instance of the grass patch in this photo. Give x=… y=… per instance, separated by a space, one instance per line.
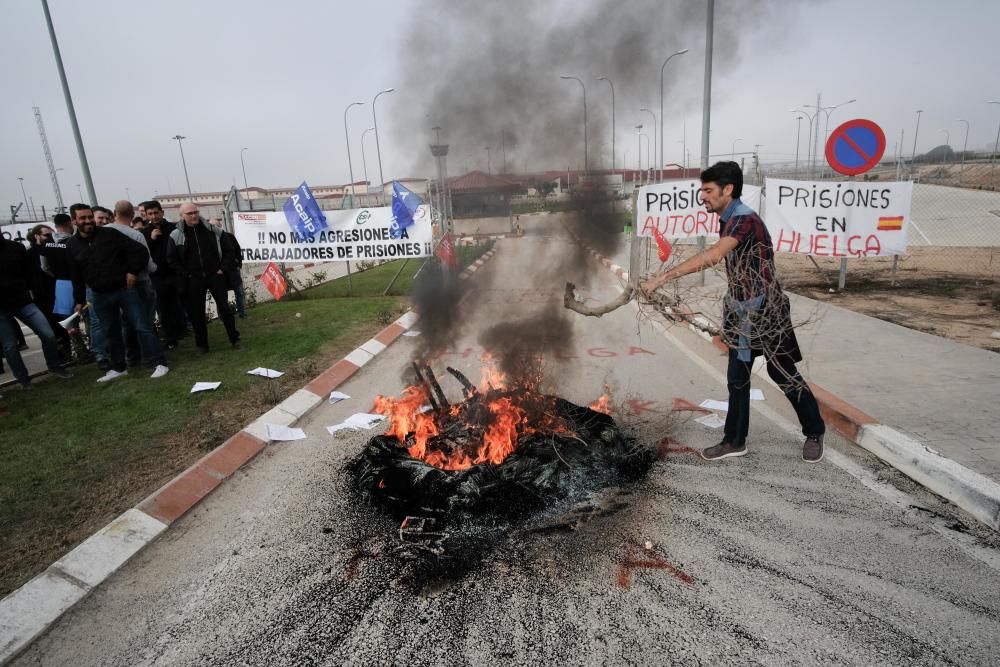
x=77 y=454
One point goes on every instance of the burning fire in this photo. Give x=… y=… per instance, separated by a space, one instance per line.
x=603 y=404
x=484 y=428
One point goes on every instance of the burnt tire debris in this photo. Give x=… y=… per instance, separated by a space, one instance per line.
x=458 y=514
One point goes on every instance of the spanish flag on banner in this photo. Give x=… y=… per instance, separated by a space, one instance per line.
x=890 y=224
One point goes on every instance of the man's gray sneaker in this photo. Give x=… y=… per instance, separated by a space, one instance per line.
x=812 y=449
x=723 y=450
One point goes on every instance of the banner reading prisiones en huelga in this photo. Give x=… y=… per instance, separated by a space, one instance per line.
x=352 y=235
x=838 y=219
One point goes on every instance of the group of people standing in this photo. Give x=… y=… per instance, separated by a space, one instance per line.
x=122 y=273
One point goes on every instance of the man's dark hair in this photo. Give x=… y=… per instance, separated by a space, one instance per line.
x=101 y=209
x=61 y=219
x=723 y=174
x=37 y=229
x=79 y=207
x=152 y=203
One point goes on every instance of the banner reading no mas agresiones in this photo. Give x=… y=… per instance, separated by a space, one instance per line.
x=352 y=235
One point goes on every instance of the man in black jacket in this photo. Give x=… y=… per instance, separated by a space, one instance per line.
x=15 y=301
x=168 y=300
x=200 y=259
x=233 y=275
x=108 y=262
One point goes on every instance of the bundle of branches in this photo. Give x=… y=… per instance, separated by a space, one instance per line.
x=546 y=467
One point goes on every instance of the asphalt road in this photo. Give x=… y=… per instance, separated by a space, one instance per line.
x=759 y=560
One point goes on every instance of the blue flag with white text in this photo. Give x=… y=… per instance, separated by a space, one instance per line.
x=303 y=213
x=404 y=205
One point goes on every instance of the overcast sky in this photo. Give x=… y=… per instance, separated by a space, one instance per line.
x=275 y=77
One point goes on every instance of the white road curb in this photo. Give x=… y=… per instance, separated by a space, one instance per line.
x=976 y=494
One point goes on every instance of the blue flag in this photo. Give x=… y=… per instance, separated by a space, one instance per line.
x=404 y=205
x=303 y=213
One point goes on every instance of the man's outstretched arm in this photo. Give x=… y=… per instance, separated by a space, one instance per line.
x=699 y=262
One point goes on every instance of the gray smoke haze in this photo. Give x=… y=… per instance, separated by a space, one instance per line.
x=486 y=68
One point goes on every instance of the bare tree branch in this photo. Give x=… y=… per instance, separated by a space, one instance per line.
x=570 y=301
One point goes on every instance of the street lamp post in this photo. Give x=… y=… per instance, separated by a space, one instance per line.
x=364 y=161
x=79 y=192
x=638 y=145
x=996 y=144
x=378 y=150
x=347 y=140
x=678 y=53
x=246 y=185
x=586 y=164
x=58 y=187
x=961 y=173
x=733 y=154
x=913 y=156
x=947 y=144
x=798 y=136
x=84 y=165
x=27 y=209
x=489 y=165
x=655 y=160
x=604 y=78
x=180 y=145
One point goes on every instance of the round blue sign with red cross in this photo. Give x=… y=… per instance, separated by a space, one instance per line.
x=855 y=147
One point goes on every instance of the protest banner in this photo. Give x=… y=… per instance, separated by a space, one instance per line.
x=676 y=209
x=18 y=231
x=351 y=235
x=446 y=251
x=838 y=219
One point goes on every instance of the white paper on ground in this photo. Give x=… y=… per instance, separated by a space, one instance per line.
x=363 y=420
x=204 y=386
x=411 y=332
x=712 y=404
x=265 y=372
x=756 y=395
x=279 y=432
x=337 y=396
x=711 y=421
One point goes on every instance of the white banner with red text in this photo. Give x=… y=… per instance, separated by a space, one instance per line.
x=677 y=211
x=838 y=219
x=351 y=235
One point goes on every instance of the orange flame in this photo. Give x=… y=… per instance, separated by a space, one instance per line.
x=502 y=420
x=603 y=404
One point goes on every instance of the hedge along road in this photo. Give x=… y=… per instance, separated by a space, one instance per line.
x=759 y=559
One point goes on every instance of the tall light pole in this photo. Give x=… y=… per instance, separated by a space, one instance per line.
x=246 y=185
x=604 y=78
x=996 y=144
x=678 y=53
x=586 y=164
x=364 y=162
x=180 y=145
x=810 y=117
x=965 y=146
x=798 y=135
x=733 y=154
x=79 y=192
x=347 y=140
x=489 y=166
x=706 y=112
x=378 y=150
x=58 y=169
x=27 y=208
x=69 y=106
x=656 y=160
x=913 y=157
x=947 y=143
x=638 y=141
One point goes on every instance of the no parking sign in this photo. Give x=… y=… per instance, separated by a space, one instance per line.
x=855 y=147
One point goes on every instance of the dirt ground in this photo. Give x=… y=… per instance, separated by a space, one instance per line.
x=946 y=291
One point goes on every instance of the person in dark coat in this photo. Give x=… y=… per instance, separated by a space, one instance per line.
x=15 y=302
x=233 y=275
x=157 y=231
x=756 y=314
x=43 y=286
x=200 y=259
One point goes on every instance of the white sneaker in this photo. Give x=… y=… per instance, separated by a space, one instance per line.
x=160 y=371
x=111 y=375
